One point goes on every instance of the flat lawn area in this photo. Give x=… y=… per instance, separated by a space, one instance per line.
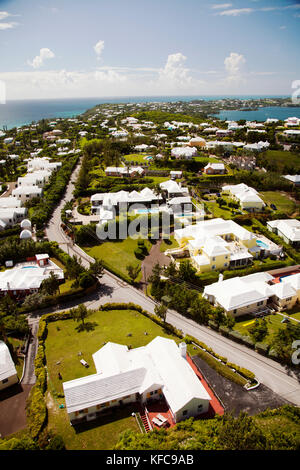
x=63 y=344
x=281 y=200
x=218 y=211
x=118 y=254
x=137 y=157
x=273 y=321
x=283 y=158
x=102 y=434
x=168 y=244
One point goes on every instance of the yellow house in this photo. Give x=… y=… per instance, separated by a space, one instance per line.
x=217 y=244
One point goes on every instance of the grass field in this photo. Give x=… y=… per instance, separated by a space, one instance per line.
x=168 y=244
x=63 y=344
x=273 y=321
x=118 y=254
x=136 y=157
x=282 y=158
x=281 y=200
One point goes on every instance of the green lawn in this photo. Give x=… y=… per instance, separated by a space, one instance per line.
x=63 y=344
x=117 y=254
x=274 y=324
x=282 y=158
x=136 y=157
x=281 y=200
x=218 y=211
x=169 y=244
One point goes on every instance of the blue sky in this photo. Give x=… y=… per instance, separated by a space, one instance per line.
x=65 y=48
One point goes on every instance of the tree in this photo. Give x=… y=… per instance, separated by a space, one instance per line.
x=282 y=341
x=97 y=269
x=240 y=433
x=8 y=306
x=80 y=314
x=161 y=311
x=133 y=271
x=187 y=272
x=50 y=285
x=259 y=330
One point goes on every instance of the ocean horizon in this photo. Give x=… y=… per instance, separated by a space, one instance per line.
x=17 y=113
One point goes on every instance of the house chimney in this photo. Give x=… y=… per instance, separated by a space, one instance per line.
x=182 y=349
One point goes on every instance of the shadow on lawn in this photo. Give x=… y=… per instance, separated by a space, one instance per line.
x=107 y=418
x=88 y=326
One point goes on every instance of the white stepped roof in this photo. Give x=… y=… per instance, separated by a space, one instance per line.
x=7 y=366
x=283 y=290
x=122 y=372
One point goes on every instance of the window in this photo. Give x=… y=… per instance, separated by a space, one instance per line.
x=225 y=264
x=4 y=381
x=214 y=259
x=185 y=412
x=260 y=303
x=200 y=407
x=235 y=310
x=213 y=266
x=86 y=410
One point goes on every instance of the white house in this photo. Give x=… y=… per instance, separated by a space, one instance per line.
x=8 y=373
x=185 y=153
x=255 y=293
x=27 y=192
x=12 y=216
x=288 y=229
x=248 y=197
x=153 y=372
x=26 y=278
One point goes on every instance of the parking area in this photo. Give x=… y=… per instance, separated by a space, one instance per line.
x=235 y=398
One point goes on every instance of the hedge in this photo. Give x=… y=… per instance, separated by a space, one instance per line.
x=262 y=348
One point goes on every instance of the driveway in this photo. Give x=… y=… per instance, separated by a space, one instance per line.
x=12 y=409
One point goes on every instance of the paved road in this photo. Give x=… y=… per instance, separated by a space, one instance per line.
x=280 y=379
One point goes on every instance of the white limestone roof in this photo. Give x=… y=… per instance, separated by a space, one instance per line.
x=239 y=292
x=283 y=290
x=7 y=366
x=290 y=228
x=27 y=276
x=293 y=280
x=215 y=166
x=123 y=372
x=9 y=202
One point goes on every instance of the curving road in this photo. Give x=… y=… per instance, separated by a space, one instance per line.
x=281 y=379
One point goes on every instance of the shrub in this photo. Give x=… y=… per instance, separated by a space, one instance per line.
x=262 y=348
x=213 y=325
x=224 y=330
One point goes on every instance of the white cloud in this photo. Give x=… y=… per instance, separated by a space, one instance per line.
x=98 y=48
x=3 y=15
x=234 y=65
x=7 y=25
x=220 y=6
x=10 y=25
x=38 y=61
x=110 y=76
x=235 y=12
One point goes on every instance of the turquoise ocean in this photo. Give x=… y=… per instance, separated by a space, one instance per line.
x=23 y=112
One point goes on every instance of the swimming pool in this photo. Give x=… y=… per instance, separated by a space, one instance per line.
x=147 y=211
x=27 y=267
x=262 y=244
